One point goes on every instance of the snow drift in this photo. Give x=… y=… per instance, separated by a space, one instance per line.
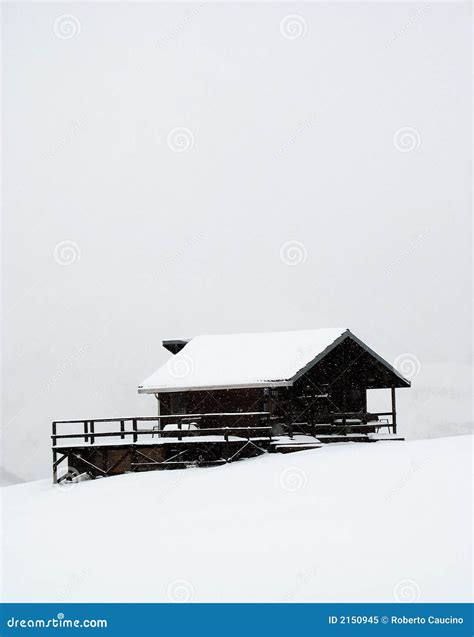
x=389 y=521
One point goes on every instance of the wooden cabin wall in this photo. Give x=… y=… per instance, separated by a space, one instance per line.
x=217 y=401
x=343 y=375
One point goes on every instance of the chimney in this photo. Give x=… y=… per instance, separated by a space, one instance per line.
x=175 y=345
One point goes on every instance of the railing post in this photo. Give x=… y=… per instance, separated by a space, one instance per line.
x=55 y=468
x=289 y=412
x=91 y=429
x=227 y=446
x=134 y=427
x=55 y=455
x=180 y=427
x=394 y=411
x=122 y=429
x=86 y=429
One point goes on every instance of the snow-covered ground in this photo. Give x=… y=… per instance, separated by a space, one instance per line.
x=389 y=521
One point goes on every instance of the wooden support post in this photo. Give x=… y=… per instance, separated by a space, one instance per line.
x=134 y=427
x=158 y=407
x=56 y=463
x=311 y=418
x=180 y=427
x=91 y=429
x=344 y=404
x=55 y=466
x=122 y=429
x=86 y=429
x=394 y=411
x=227 y=446
x=289 y=411
x=55 y=455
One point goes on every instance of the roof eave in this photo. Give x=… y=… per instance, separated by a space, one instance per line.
x=169 y=390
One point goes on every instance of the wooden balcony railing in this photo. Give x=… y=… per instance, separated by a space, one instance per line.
x=129 y=427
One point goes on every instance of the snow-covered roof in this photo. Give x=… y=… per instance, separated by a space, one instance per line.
x=272 y=359
x=241 y=360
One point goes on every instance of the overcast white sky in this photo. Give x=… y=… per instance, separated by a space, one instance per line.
x=295 y=119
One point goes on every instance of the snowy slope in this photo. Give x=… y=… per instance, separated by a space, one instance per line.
x=375 y=522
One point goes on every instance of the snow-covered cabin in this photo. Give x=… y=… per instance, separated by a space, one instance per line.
x=308 y=378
